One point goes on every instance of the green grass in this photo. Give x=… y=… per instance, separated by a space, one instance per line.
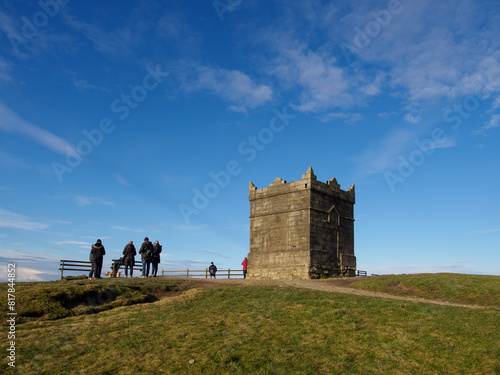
x=261 y=330
x=60 y=299
x=458 y=288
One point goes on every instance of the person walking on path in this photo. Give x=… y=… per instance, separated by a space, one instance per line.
x=129 y=254
x=212 y=270
x=244 y=263
x=97 y=253
x=155 y=258
x=146 y=251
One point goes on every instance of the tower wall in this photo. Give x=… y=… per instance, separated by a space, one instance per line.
x=302 y=229
x=279 y=231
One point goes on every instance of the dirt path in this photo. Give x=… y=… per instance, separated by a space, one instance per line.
x=328 y=285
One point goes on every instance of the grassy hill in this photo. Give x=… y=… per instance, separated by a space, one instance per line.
x=110 y=327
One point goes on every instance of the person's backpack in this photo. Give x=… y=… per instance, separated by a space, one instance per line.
x=149 y=251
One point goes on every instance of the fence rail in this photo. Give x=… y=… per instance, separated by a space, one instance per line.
x=187 y=273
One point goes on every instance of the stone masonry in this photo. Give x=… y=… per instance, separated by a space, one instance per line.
x=302 y=229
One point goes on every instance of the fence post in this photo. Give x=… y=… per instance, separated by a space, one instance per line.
x=206 y=273
x=187 y=273
x=62 y=269
x=228 y=273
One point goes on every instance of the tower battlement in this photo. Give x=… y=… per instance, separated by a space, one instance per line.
x=301 y=229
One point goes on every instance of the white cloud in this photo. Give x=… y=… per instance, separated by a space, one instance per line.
x=347 y=117
x=230 y=85
x=82 y=200
x=5 y=68
x=69 y=242
x=11 y=122
x=322 y=83
x=489 y=230
x=17 y=221
x=128 y=229
x=117 y=42
x=494 y=122
x=84 y=85
x=411 y=118
x=12 y=160
x=121 y=180
x=382 y=155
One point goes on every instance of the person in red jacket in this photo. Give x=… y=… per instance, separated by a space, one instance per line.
x=244 y=263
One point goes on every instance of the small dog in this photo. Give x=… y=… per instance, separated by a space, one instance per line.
x=110 y=274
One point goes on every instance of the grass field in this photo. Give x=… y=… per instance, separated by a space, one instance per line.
x=468 y=289
x=249 y=329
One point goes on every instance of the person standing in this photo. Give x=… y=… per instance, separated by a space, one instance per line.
x=155 y=258
x=212 y=270
x=244 y=263
x=146 y=250
x=129 y=254
x=97 y=253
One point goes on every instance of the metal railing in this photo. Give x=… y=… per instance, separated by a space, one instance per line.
x=187 y=273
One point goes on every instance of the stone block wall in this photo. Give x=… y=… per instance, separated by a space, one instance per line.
x=302 y=229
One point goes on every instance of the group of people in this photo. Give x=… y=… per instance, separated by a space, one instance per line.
x=150 y=256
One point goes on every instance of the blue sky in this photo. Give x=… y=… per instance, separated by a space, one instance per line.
x=150 y=119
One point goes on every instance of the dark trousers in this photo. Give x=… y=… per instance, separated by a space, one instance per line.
x=131 y=269
x=244 y=274
x=154 y=269
x=92 y=271
x=96 y=270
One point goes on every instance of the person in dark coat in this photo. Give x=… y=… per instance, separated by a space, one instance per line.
x=212 y=269
x=97 y=253
x=146 y=250
x=129 y=254
x=155 y=258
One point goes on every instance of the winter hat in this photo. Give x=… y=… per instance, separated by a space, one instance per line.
x=130 y=242
x=98 y=241
x=146 y=239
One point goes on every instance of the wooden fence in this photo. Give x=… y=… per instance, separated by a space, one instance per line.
x=187 y=273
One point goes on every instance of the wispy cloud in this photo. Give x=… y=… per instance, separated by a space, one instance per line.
x=347 y=117
x=128 y=229
x=118 y=42
x=231 y=86
x=11 y=122
x=18 y=221
x=5 y=68
x=82 y=200
x=121 y=180
x=11 y=160
x=494 y=122
x=83 y=85
x=412 y=119
x=382 y=155
x=214 y=253
x=489 y=230
x=69 y=242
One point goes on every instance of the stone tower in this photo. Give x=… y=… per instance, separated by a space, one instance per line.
x=302 y=229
